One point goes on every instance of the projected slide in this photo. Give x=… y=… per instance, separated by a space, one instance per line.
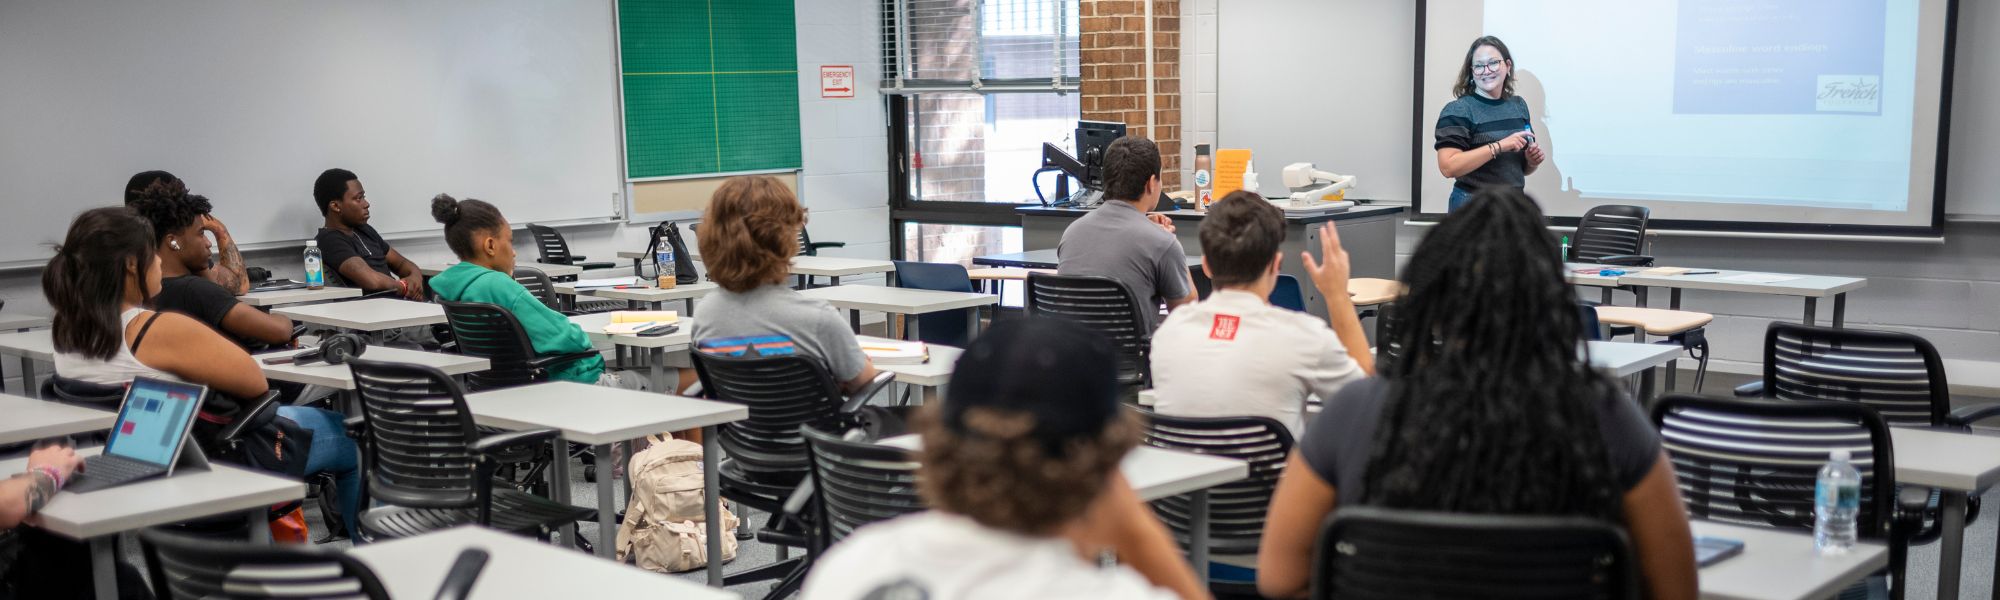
x=1727 y=110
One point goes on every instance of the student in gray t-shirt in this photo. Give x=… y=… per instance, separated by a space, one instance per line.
x=1119 y=240
x=748 y=236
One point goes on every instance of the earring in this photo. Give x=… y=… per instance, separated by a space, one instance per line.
x=175 y=244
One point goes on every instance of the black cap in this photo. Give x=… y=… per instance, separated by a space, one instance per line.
x=1057 y=371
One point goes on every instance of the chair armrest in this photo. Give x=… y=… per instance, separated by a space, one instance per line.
x=1626 y=260
x=543 y=362
x=464 y=572
x=1965 y=417
x=860 y=397
x=819 y=245
x=493 y=443
x=356 y=427
x=265 y=403
x=1750 y=390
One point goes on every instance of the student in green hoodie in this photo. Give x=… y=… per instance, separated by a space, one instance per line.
x=484 y=243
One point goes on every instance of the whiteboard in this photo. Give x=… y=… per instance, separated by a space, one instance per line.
x=1972 y=185
x=510 y=101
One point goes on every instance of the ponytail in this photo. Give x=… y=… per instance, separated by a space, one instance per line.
x=85 y=281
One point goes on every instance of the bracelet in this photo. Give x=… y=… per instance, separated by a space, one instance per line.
x=54 y=475
x=1496 y=149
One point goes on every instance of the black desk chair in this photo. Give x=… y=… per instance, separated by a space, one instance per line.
x=1368 y=553
x=766 y=453
x=1611 y=235
x=807 y=247
x=944 y=327
x=1236 y=510
x=1756 y=462
x=853 y=483
x=430 y=468
x=1106 y=306
x=555 y=250
x=491 y=332
x=184 y=568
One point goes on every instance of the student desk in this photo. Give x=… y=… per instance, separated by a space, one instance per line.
x=835 y=268
x=599 y=416
x=1782 y=565
x=546 y=269
x=29 y=419
x=656 y=348
x=1809 y=287
x=902 y=301
x=1042 y=259
x=373 y=315
x=339 y=377
x=1957 y=464
x=30 y=347
x=98 y=517
x=652 y=296
x=935 y=373
x=21 y=322
x=517 y=568
x=298 y=296
x=1155 y=474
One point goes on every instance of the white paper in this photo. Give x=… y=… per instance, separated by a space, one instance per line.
x=1758 y=278
x=605 y=283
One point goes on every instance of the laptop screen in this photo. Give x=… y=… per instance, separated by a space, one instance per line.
x=156 y=415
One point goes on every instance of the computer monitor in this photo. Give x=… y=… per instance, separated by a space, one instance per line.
x=154 y=421
x=1092 y=139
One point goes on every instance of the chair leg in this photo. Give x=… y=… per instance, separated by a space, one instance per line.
x=1701 y=366
x=790 y=584
x=1673 y=368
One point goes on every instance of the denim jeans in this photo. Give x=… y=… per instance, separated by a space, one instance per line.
x=1458 y=198
x=332 y=452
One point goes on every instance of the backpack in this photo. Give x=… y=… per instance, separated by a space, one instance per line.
x=664 y=529
x=669 y=233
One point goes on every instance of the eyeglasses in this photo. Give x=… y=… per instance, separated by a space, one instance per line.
x=1488 y=66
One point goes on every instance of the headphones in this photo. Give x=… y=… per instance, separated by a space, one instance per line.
x=334 y=349
x=176 y=244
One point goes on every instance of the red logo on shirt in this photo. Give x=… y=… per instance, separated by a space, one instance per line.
x=1225 y=328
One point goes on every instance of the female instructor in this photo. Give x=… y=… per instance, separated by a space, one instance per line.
x=1483 y=137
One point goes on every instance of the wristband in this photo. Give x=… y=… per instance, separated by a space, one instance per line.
x=54 y=475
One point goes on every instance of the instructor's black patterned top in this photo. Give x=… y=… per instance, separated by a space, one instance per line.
x=1473 y=121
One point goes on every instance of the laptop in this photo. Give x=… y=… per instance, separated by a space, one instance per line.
x=149 y=437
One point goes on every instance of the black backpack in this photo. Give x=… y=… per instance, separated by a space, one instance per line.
x=670 y=233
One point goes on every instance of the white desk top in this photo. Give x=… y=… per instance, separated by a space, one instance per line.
x=39 y=344
x=373 y=314
x=936 y=372
x=29 y=419
x=1154 y=473
x=517 y=568
x=633 y=254
x=1042 y=259
x=1592 y=280
x=829 y=266
x=645 y=294
x=18 y=321
x=187 y=495
x=1782 y=565
x=1626 y=358
x=591 y=414
x=298 y=296
x=548 y=269
x=900 y=301
x=593 y=325
x=1945 y=459
x=340 y=378
x=1811 y=286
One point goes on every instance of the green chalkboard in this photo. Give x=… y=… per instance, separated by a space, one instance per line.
x=711 y=86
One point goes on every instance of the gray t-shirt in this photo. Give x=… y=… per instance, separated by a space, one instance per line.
x=1117 y=241
x=774 y=320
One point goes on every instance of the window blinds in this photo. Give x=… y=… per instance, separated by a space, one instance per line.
x=986 y=46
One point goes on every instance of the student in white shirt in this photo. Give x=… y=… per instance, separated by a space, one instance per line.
x=1234 y=354
x=1022 y=475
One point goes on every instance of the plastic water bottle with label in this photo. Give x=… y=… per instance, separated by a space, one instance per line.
x=315 y=266
x=663 y=264
x=1836 y=504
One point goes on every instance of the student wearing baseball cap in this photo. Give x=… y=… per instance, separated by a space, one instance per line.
x=1021 y=472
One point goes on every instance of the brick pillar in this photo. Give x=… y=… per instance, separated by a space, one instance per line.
x=1114 y=72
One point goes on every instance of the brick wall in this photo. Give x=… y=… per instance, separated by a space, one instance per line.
x=1114 y=72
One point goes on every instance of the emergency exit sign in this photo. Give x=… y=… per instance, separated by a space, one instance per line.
x=836 y=81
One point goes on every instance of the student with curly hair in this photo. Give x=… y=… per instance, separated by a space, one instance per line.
x=1020 y=466
x=178 y=221
x=229 y=270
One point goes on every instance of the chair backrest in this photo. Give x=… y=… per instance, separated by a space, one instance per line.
x=943 y=327
x=1367 y=552
x=1288 y=294
x=858 y=483
x=1898 y=374
x=805 y=243
x=1102 y=304
x=64 y=390
x=1236 y=509
x=783 y=394
x=491 y=332
x=188 y=568
x=550 y=244
x=1387 y=349
x=1756 y=461
x=539 y=284
x=1593 y=329
x=417 y=450
x=1609 y=230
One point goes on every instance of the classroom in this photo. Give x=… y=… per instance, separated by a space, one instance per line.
x=980 y=299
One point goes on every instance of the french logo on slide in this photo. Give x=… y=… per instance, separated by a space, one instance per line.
x=1849 y=93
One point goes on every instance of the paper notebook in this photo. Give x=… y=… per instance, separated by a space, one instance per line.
x=627 y=322
x=891 y=352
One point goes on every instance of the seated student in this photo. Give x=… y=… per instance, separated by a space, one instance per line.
x=484 y=243
x=1236 y=355
x=229 y=270
x=1489 y=409
x=178 y=224
x=355 y=255
x=39 y=565
x=1119 y=240
x=98 y=284
x=1021 y=474
x=749 y=234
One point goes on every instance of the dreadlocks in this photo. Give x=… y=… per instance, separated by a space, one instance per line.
x=1493 y=410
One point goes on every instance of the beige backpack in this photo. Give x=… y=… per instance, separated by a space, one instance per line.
x=664 y=530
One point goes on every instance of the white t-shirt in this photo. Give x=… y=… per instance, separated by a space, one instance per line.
x=949 y=557
x=1236 y=355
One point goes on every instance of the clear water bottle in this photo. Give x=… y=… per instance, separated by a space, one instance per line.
x=1836 y=504
x=1563 y=257
x=663 y=264
x=315 y=266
